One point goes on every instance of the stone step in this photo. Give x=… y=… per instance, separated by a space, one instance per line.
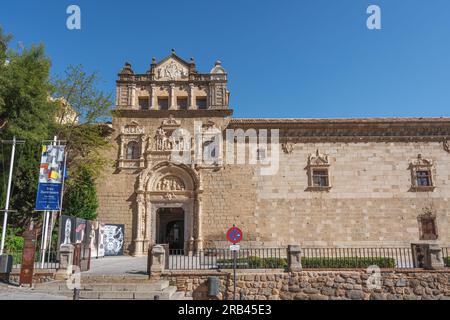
x=138 y=287
x=115 y=291
x=166 y=294
x=179 y=295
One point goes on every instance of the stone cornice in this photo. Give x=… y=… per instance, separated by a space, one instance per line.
x=134 y=113
x=351 y=130
x=297 y=121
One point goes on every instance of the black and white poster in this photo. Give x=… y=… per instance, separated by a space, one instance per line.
x=101 y=240
x=66 y=230
x=93 y=231
x=114 y=234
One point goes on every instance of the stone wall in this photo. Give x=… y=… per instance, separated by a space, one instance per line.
x=370 y=202
x=318 y=285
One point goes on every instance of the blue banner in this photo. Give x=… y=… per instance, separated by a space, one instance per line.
x=51 y=175
x=48 y=197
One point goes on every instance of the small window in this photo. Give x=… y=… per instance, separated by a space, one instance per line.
x=182 y=103
x=144 y=103
x=132 y=151
x=201 y=102
x=423 y=178
x=320 y=178
x=163 y=103
x=422 y=175
x=428 y=230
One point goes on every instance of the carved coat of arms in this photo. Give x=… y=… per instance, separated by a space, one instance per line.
x=172 y=71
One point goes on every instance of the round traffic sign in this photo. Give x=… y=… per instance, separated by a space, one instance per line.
x=234 y=235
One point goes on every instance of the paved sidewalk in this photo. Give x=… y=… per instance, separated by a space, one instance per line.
x=9 y=292
x=123 y=265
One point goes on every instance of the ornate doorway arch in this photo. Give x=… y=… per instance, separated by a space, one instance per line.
x=167 y=186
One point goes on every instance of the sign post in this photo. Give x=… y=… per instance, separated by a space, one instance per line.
x=234 y=235
x=14 y=142
x=51 y=177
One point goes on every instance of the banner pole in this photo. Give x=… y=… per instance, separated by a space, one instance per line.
x=47 y=213
x=8 y=194
x=44 y=223
x=45 y=238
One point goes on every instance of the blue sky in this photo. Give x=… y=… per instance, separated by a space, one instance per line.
x=309 y=58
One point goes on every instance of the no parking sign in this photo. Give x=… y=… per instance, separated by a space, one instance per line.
x=234 y=235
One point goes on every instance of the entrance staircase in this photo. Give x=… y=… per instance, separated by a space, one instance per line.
x=115 y=288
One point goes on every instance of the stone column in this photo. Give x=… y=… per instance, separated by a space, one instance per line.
x=198 y=220
x=139 y=240
x=427 y=256
x=132 y=96
x=191 y=102
x=153 y=97
x=172 y=97
x=65 y=262
x=157 y=261
x=294 y=258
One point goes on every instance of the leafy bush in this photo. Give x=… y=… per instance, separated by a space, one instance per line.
x=14 y=244
x=278 y=263
x=447 y=261
x=256 y=263
x=349 y=262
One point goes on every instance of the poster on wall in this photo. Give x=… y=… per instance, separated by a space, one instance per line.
x=80 y=230
x=93 y=231
x=51 y=175
x=114 y=234
x=101 y=236
x=66 y=230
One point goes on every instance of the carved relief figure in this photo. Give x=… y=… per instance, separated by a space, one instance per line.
x=170 y=183
x=166 y=141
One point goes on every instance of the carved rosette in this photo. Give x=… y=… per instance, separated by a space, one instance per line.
x=287 y=147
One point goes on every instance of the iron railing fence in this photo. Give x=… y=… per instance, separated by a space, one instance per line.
x=260 y=258
x=276 y=258
x=357 y=257
x=446 y=256
x=50 y=259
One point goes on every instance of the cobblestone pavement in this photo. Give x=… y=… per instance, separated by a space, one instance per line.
x=9 y=292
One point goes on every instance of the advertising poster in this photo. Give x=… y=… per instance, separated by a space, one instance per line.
x=66 y=230
x=80 y=230
x=93 y=230
x=101 y=236
x=114 y=234
x=51 y=175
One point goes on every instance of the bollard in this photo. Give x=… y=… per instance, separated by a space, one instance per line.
x=76 y=294
x=156 y=297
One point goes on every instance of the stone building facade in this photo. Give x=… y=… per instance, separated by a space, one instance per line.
x=185 y=170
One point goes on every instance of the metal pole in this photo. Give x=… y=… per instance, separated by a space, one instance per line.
x=47 y=216
x=42 y=235
x=234 y=274
x=8 y=194
x=50 y=237
x=55 y=140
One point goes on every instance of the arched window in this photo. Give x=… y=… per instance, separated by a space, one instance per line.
x=132 y=151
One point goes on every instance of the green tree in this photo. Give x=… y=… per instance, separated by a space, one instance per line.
x=82 y=201
x=28 y=114
x=82 y=107
x=34 y=108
